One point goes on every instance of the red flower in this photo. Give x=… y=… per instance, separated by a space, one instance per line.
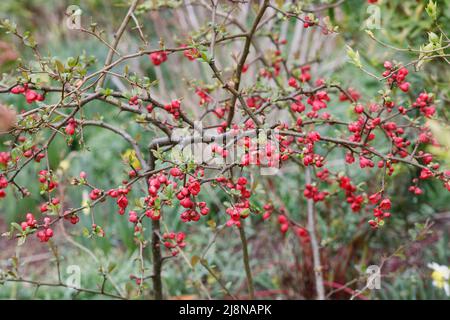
x=122 y=202
x=194 y=187
x=385 y=204
x=425 y=174
x=158 y=57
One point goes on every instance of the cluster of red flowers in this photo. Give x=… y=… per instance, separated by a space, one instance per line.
x=46 y=233
x=33 y=152
x=173 y=108
x=3 y=185
x=305 y=74
x=351 y=93
x=300 y=232
x=241 y=209
x=48 y=183
x=284 y=223
x=72 y=217
x=268 y=210
x=71 y=126
x=133 y=101
x=204 y=96
x=30 y=222
x=425 y=104
x=276 y=64
x=121 y=195
x=186 y=196
x=268 y=154
x=309 y=157
x=173 y=241
x=53 y=203
x=396 y=77
x=186 y=186
x=95 y=194
x=30 y=95
x=191 y=53
x=312 y=192
x=158 y=57
x=380 y=211
x=308 y=22
x=353 y=199
x=5 y=158
x=255 y=102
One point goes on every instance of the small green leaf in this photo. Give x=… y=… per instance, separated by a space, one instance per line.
x=106 y=92
x=354 y=57
x=59 y=66
x=205 y=56
x=433 y=37
x=431 y=9
x=28 y=40
x=85 y=232
x=16 y=226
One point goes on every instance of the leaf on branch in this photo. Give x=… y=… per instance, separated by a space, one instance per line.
x=129 y=156
x=10 y=27
x=28 y=40
x=195 y=260
x=431 y=9
x=354 y=57
x=86 y=232
x=16 y=226
x=59 y=66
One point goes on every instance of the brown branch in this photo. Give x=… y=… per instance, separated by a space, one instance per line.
x=117 y=37
x=60 y=284
x=246 y=259
x=245 y=52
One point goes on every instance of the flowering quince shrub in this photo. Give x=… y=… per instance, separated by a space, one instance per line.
x=262 y=90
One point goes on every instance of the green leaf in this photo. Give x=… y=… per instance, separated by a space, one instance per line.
x=59 y=66
x=354 y=57
x=85 y=232
x=157 y=205
x=431 y=9
x=28 y=40
x=16 y=226
x=106 y=92
x=433 y=37
x=205 y=56
x=245 y=212
x=72 y=62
